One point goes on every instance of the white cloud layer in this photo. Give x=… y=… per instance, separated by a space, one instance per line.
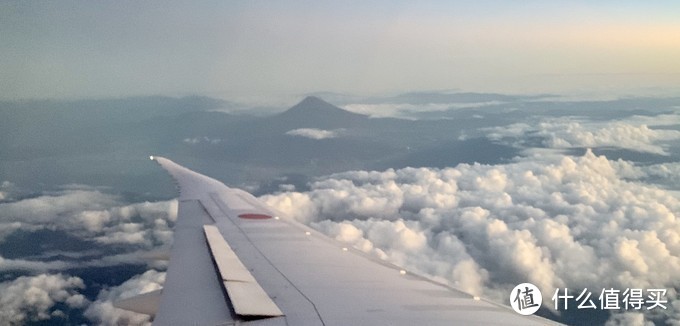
x=313 y=133
x=32 y=298
x=557 y=222
x=92 y=215
x=633 y=134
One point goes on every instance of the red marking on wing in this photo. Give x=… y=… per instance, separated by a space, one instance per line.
x=255 y=216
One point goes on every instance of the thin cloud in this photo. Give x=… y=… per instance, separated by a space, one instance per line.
x=313 y=133
x=408 y=110
x=202 y=140
x=6 y=188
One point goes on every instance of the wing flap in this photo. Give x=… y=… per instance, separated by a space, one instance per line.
x=229 y=266
x=246 y=295
x=249 y=299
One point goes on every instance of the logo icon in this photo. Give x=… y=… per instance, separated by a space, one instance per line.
x=525 y=299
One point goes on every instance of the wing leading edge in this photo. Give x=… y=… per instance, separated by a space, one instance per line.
x=236 y=261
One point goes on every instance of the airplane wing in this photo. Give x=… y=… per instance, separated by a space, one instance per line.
x=234 y=261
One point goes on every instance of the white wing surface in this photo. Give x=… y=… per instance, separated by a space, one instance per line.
x=234 y=261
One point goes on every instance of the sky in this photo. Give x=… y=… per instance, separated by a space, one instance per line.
x=577 y=194
x=70 y=49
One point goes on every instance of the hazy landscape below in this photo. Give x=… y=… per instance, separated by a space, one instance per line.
x=585 y=192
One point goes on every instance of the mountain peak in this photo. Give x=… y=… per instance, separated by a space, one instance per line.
x=318 y=113
x=313 y=104
x=316 y=106
x=313 y=100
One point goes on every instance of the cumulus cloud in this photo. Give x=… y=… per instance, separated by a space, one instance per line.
x=52 y=207
x=33 y=298
x=556 y=222
x=102 y=311
x=667 y=174
x=313 y=133
x=569 y=132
